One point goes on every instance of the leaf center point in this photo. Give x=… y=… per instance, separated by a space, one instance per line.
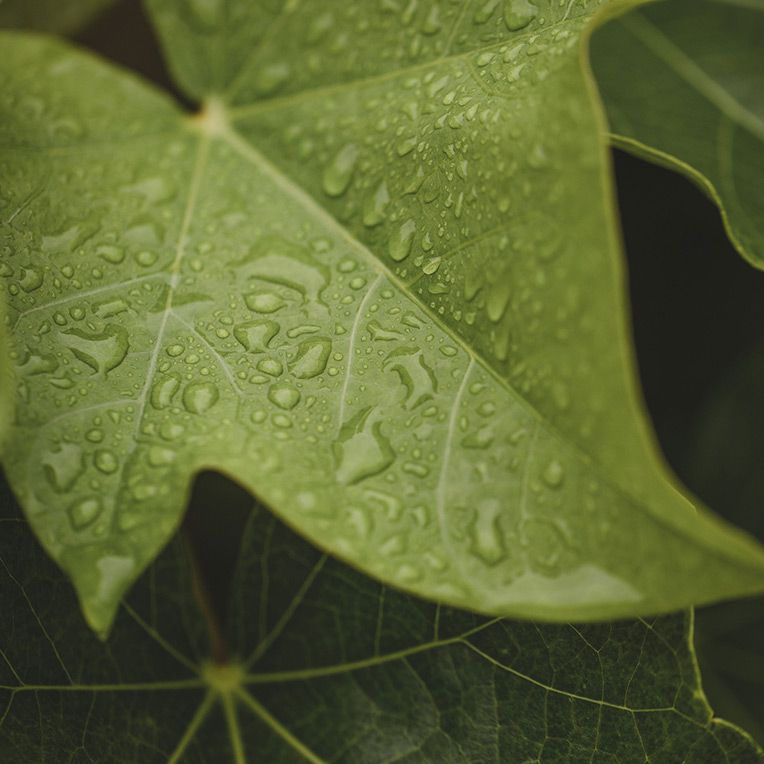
x=212 y=119
x=225 y=678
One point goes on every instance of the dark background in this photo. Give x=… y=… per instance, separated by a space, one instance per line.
x=698 y=318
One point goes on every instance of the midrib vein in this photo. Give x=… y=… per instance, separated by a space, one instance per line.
x=174 y=274
x=697 y=78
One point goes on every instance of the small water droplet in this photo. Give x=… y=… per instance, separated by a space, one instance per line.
x=255 y=336
x=553 y=474
x=264 y=302
x=487 y=542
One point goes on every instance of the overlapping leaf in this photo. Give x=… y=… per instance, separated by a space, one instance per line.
x=50 y=15
x=330 y=666
x=683 y=83
x=377 y=282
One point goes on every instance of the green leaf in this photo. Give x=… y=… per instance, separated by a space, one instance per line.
x=50 y=15
x=381 y=291
x=7 y=382
x=683 y=84
x=328 y=665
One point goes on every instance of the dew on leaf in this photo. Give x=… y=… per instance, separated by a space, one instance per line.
x=105 y=461
x=255 y=336
x=312 y=357
x=339 y=171
x=164 y=390
x=486 y=538
x=200 y=397
x=284 y=395
x=63 y=465
x=415 y=375
x=362 y=450
x=84 y=511
x=518 y=14
x=375 y=205
x=101 y=351
x=399 y=243
x=264 y=302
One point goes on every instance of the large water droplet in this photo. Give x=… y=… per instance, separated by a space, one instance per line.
x=63 y=465
x=164 y=391
x=102 y=351
x=339 y=171
x=200 y=397
x=284 y=395
x=375 y=204
x=487 y=542
x=362 y=450
x=417 y=377
x=498 y=298
x=84 y=511
x=255 y=336
x=518 y=14
x=279 y=261
x=312 y=357
x=105 y=461
x=399 y=244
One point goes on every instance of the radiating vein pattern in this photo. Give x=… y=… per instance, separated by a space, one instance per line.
x=344 y=671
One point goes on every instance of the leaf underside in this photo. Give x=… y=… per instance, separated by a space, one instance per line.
x=700 y=68
x=332 y=667
x=376 y=282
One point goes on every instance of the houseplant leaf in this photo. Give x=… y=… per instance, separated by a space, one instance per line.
x=683 y=85
x=333 y=667
x=50 y=15
x=390 y=307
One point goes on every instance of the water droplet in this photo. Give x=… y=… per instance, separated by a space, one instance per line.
x=111 y=253
x=31 y=278
x=487 y=542
x=164 y=391
x=380 y=333
x=375 y=205
x=399 y=244
x=312 y=357
x=279 y=261
x=362 y=450
x=200 y=397
x=518 y=14
x=146 y=258
x=271 y=77
x=498 y=298
x=102 y=351
x=105 y=461
x=63 y=465
x=284 y=395
x=255 y=336
x=339 y=171
x=264 y=302
x=84 y=511
x=553 y=474
x=271 y=366
x=417 y=377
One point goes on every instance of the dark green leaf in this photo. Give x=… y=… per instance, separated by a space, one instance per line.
x=683 y=84
x=330 y=666
x=50 y=15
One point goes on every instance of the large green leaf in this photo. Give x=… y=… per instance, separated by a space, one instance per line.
x=329 y=666
x=376 y=281
x=50 y=15
x=683 y=83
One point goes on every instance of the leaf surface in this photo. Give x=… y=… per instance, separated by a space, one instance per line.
x=683 y=84
x=50 y=15
x=333 y=667
x=381 y=291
